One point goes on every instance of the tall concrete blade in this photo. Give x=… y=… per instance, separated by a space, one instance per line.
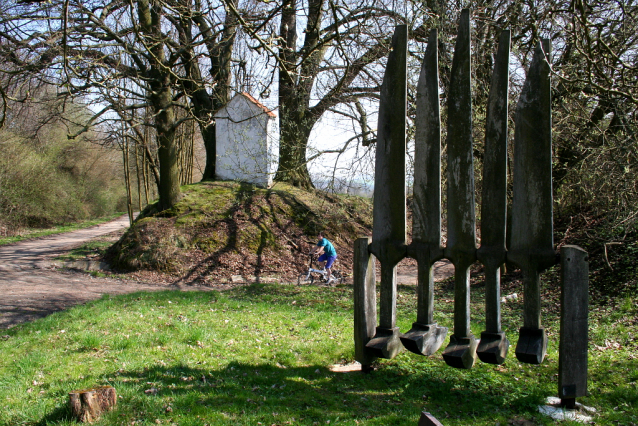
x=494 y=345
x=427 y=156
x=532 y=242
x=461 y=246
x=426 y=337
x=389 y=218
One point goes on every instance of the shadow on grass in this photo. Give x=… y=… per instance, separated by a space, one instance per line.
x=275 y=394
x=60 y=414
x=272 y=392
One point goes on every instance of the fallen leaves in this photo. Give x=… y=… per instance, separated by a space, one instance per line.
x=608 y=344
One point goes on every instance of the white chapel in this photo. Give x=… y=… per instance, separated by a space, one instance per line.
x=247 y=141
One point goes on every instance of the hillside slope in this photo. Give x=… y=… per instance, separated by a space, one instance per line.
x=222 y=229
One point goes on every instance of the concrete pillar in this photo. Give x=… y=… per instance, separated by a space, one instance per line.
x=461 y=247
x=494 y=345
x=389 y=215
x=426 y=337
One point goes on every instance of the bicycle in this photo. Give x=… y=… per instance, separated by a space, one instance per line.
x=336 y=276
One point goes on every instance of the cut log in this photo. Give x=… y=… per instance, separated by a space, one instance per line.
x=87 y=405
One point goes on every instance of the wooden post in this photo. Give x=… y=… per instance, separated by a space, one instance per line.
x=574 y=310
x=365 y=301
x=428 y=419
x=87 y=405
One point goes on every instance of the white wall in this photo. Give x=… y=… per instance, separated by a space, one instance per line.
x=247 y=143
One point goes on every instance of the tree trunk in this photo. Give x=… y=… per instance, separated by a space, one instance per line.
x=294 y=127
x=210 y=143
x=139 y=181
x=220 y=55
x=169 y=190
x=294 y=133
x=127 y=176
x=161 y=100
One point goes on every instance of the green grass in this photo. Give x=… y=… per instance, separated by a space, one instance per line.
x=260 y=355
x=36 y=233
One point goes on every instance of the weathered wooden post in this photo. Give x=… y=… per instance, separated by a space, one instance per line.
x=389 y=217
x=574 y=312
x=365 y=301
x=493 y=345
x=426 y=337
x=461 y=239
x=532 y=242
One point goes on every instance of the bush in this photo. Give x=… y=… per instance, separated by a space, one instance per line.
x=62 y=181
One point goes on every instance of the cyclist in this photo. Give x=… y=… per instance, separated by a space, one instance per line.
x=327 y=252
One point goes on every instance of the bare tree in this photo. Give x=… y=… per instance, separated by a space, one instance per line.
x=160 y=46
x=207 y=37
x=335 y=64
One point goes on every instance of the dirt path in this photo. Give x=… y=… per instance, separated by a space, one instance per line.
x=407 y=273
x=32 y=287
x=37 y=253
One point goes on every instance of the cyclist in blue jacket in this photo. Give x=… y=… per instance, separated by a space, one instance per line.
x=327 y=253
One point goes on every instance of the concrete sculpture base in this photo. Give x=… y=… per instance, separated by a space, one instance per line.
x=493 y=348
x=532 y=345
x=386 y=343
x=461 y=352
x=424 y=339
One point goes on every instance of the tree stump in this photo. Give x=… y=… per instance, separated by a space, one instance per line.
x=87 y=405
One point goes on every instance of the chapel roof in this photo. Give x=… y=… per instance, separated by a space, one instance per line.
x=260 y=105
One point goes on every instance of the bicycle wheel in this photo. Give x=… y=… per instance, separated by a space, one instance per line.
x=338 y=277
x=305 y=279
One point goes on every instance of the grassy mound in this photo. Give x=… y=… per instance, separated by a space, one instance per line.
x=220 y=229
